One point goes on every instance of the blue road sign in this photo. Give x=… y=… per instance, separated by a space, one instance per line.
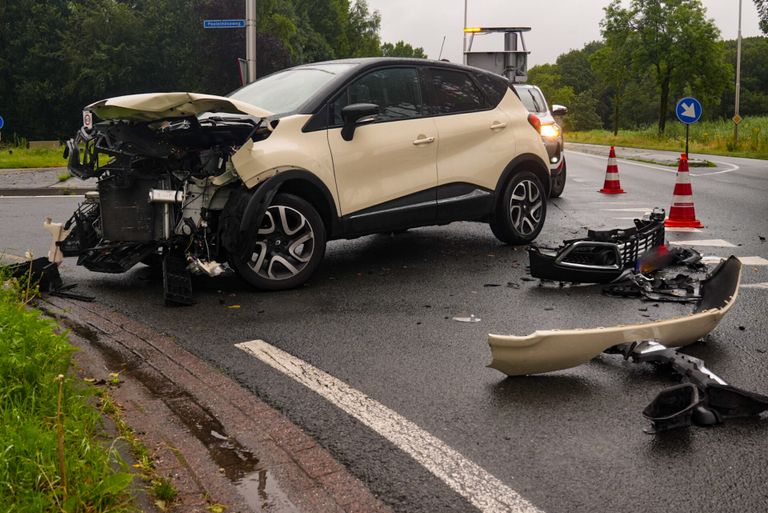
x=2 y=122
x=688 y=110
x=225 y=24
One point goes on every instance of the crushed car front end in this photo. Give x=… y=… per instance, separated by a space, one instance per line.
x=166 y=184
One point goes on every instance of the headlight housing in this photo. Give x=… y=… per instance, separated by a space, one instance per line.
x=550 y=131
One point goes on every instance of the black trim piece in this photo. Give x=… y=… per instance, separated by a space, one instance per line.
x=529 y=162
x=418 y=209
x=262 y=196
x=464 y=202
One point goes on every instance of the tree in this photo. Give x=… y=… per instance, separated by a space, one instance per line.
x=675 y=42
x=762 y=12
x=364 y=28
x=402 y=49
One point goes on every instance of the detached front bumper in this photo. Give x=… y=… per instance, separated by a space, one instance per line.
x=602 y=256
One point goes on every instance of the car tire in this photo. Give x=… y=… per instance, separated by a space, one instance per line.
x=558 y=183
x=521 y=213
x=288 y=247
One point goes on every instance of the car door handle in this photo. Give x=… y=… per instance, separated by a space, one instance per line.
x=423 y=140
x=497 y=125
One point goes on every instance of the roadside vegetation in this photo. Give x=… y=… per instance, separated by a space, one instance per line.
x=15 y=157
x=54 y=454
x=711 y=137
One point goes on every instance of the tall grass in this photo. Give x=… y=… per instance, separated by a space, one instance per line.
x=42 y=406
x=712 y=137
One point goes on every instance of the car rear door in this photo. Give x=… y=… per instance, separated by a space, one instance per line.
x=387 y=174
x=474 y=147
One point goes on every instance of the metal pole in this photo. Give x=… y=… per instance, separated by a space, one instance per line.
x=738 y=80
x=464 y=54
x=250 y=39
x=687 y=126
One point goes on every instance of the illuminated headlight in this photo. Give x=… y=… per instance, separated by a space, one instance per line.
x=550 y=131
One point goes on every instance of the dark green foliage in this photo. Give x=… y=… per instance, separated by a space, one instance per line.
x=402 y=49
x=56 y=56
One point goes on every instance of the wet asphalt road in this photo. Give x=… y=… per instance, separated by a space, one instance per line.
x=378 y=316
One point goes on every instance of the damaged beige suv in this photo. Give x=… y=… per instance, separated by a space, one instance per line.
x=263 y=178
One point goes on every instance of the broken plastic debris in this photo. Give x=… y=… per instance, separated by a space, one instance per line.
x=550 y=350
x=471 y=318
x=212 y=268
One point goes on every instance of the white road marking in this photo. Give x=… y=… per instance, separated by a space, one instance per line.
x=484 y=491
x=637 y=209
x=714 y=243
x=731 y=167
x=755 y=286
x=625 y=218
x=683 y=230
x=748 y=260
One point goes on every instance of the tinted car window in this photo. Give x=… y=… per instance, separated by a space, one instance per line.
x=532 y=99
x=396 y=91
x=286 y=90
x=455 y=92
x=494 y=87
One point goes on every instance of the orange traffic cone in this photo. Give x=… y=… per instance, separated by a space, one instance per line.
x=682 y=214
x=612 y=184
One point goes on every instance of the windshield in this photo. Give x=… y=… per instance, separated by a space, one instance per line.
x=532 y=99
x=286 y=90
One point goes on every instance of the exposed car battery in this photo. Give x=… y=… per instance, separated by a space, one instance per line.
x=126 y=213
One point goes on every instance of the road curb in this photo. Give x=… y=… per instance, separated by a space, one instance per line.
x=214 y=439
x=43 y=191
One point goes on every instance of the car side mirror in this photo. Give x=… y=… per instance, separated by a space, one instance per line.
x=355 y=115
x=559 y=110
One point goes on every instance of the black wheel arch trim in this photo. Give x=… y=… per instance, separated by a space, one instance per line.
x=263 y=195
x=525 y=162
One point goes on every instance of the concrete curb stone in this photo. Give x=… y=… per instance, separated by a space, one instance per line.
x=164 y=387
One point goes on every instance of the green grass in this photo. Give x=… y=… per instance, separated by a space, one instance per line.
x=11 y=157
x=710 y=137
x=43 y=405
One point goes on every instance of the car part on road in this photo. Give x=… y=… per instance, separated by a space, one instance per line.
x=602 y=256
x=705 y=399
x=550 y=350
x=678 y=289
x=43 y=274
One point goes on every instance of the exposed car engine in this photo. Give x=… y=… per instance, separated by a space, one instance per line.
x=165 y=188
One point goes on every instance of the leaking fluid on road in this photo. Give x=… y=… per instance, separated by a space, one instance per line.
x=259 y=489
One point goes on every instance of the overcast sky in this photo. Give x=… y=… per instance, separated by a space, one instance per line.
x=556 y=25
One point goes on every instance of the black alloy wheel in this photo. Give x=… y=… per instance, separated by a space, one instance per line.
x=288 y=248
x=522 y=210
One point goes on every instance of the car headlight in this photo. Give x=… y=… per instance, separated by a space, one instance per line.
x=551 y=131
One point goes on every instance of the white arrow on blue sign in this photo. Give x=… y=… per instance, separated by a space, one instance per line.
x=2 y=122
x=688 y=110
x=226 y=24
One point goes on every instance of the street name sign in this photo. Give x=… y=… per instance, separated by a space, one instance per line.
x=223 y=24
x=688 y=110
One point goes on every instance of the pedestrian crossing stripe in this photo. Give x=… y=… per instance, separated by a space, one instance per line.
x=714 y=243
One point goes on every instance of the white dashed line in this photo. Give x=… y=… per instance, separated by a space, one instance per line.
x=484 y=491
x=62 y=196
x=713 y=243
